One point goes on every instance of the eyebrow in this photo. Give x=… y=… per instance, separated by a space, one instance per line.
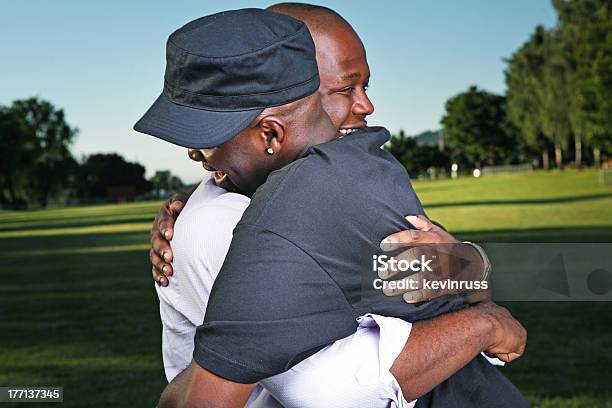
x=352 y=75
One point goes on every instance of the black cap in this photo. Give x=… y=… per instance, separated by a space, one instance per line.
x=222 y=70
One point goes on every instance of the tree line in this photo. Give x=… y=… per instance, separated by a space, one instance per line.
x=38 y=166
x=558 y=102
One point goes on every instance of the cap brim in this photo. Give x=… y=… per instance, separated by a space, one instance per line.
x=190 y=127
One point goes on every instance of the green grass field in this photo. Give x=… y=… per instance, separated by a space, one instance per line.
x=79 y=309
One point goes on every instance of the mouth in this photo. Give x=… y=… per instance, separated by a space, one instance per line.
x=348 y=131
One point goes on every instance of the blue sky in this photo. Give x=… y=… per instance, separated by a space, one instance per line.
x=103 y=62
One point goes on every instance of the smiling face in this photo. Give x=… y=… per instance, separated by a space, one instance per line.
x=344 y=74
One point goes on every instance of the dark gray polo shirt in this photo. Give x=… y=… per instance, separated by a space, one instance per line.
x=293 y=279
x=299 y=271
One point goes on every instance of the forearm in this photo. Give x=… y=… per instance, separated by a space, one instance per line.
x=196 y=387
x=175 y=392
x=437 y=348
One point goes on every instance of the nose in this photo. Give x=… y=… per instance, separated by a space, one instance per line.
x=195 y=155
x=362 y=105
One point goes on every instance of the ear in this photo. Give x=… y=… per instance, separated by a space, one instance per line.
x=272 y=133
x=219 y=177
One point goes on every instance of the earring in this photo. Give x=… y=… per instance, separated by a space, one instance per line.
x=270 y=151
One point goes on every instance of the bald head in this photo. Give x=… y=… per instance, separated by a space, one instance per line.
x=342 y=63
x=319 y=19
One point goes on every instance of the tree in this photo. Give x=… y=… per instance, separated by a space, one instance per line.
x=475 y=127
x=555 y=95
x=417 y=159
x=525 y=91
x=111 y=177
x=585 y=30
x=17 y=151
x=560 y=81
x=35 y=142
x=163 y=182
x=399 y=145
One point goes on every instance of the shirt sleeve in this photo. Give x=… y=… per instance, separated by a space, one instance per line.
x=352 y=372
x=271 y=306
x=393 y=335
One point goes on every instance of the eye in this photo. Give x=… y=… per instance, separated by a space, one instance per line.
x=366 y=87
x=348 y=90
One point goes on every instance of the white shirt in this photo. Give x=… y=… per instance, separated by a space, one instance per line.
x=352 y=372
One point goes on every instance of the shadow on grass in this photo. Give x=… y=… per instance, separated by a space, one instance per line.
x=524 y=201
x=36 y=225
x=66 y=243
x=552 y=234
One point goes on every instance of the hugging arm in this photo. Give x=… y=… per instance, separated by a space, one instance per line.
x=439 y=347
x=435 y=350
x=162 y=232
x=197 y=387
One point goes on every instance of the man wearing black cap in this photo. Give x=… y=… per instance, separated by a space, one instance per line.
x=270 y=235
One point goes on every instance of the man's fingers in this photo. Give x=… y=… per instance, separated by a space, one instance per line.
x=164 y=268
x=393 y=292
x=165 y=223
x=400 y=286
x=415 y=297
x=159 y=264
x=417 y=281
x=169 y=213
x=400 y=262
x=162 y=249
x=507 y=357
x=421 y=222
x=166 y=228
x=409 y=237
x=159 y=278
x=160 y=254
x=396 y=240
x=513 y=356
x=424 y=295
x=176 y=207
x=503 y=357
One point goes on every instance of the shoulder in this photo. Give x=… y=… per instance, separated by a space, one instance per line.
x=211 y=203
x=340 y=176
x=204 y=228
x=346 y=163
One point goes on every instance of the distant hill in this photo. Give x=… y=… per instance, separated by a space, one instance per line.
x=430 y=138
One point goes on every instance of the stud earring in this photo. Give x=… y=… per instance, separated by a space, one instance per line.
x=270 y=151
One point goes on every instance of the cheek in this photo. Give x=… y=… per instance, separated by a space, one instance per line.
x=240 y=169
x=338 y=108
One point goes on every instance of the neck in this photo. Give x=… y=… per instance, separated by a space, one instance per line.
x=323 y=131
